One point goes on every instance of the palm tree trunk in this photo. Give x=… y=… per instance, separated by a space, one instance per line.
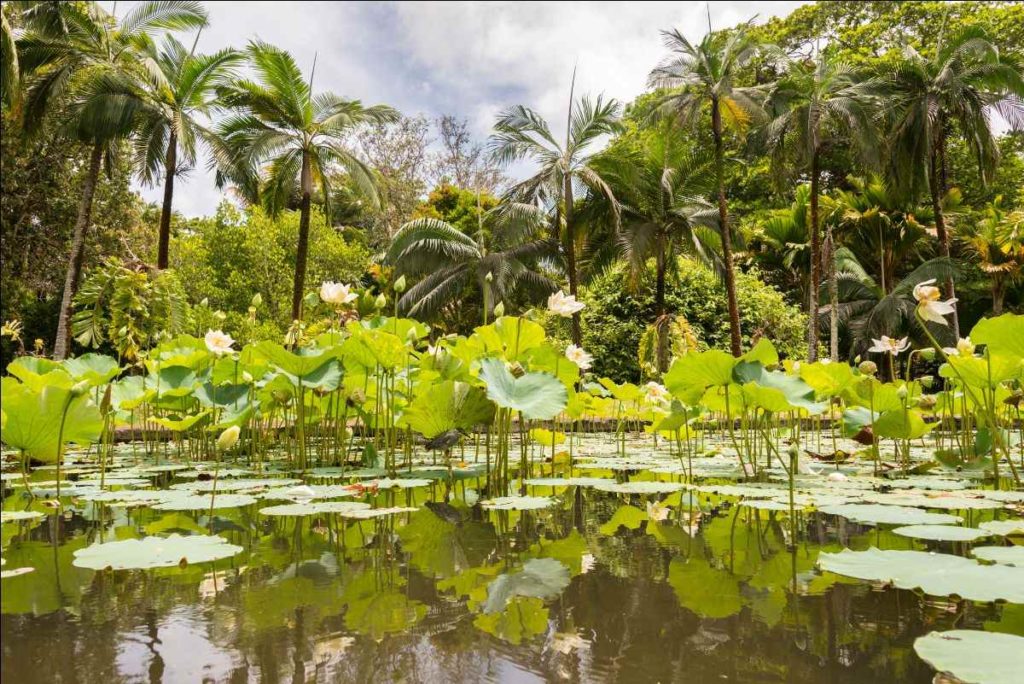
x=935 y=184
x=570 y=256
x=735 y=343
x=833 y=298
x=62 y=344
x=302 y=250
x=998 y=293
x=812 y=312
x=170 y=165
x=659 y=303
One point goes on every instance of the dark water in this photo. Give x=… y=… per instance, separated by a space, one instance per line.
x=400 y=599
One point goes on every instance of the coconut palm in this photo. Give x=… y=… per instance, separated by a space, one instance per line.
x=564 y=169
x=954 y=87
x=72 y=51
x=699 y=78
x=297 y=134
x=501 y=260
x=816 y=104
x=997 y=241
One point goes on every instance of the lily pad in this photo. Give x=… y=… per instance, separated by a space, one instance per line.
x=874 y=514
x=640 y=487
x=315 y=508
x=200 y=502
x=1005 y=555
x=517 y=503
x=367 y=513
x=18 y=516
x=155 y=552
x=974 y=656
x=941 y=532
x=1003 y=527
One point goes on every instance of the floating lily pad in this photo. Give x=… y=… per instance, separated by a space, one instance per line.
x=307 y=492
x=567 y=481
x=762 y=505
x=315 y=508
x=401 y=483
x=517 y=503
x=1005 y=555
x=367 y=513
x=937 y=574
x=200 y=502
x=974 y=656
x=235 y=485
x=941 y=533
x=18 y=516
x=540 y=578
x=155 y=552
x=1003 y=527
x=16 y=572
x=640 y=487
x=889 y=515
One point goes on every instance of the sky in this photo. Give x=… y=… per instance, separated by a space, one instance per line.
x=471 y=59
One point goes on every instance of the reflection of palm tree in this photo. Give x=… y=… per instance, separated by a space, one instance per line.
x=701 y=76
x=300 y=134
x=564 y=168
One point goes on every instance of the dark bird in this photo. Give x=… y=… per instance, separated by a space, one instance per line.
x=444 y=441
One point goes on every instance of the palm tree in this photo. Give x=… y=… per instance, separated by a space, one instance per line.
x=701 y=77
x=563 y=168
x=75 y=50
x=499 y=262
x=954 y=87
x=299 y=135
x=997 y=241
x=813 y=105
x=662 y=212
x=781 y=245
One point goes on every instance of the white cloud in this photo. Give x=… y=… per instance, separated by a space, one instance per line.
x=465 y=58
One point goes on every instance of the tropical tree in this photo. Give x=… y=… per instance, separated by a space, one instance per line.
x=816 y=104
x=71 y=52
x=953 y=87
x=297 y=134
x=699 y=78
x=563 y=169
x=997 y=241
x=500 y=260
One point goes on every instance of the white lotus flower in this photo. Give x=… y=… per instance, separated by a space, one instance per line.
x=564 y=305
x=657 y=512
x=889 y=345
x=964 y=347
x=579 y=356
x=656 y=392
x=928 y=305
x=218 y=342
x=836 y=476
x=337 y=293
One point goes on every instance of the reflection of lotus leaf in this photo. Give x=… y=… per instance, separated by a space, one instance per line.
x=889 y=515
x=540 y=578
x=517 y=503
x=155 y=552
x=640 y=487
x=941 y=532
x=936 y=574
x=974 y=656
x=521 y=619
x=200 y=502
x=315 y=508
x=705 y=590
x=1006 y=555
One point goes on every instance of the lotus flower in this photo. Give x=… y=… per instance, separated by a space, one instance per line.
x=889 y=345
x=218 y=342
x=337 y=294
x=564 y=305
x=656 y=392
x=657 y=512
x=929 y=307
x=579 y=356
x=964 y=347
x=837 y=476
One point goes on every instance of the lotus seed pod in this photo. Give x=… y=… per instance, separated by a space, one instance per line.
x=927 y=402
x=868 y=367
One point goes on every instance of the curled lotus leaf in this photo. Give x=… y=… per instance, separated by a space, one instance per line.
x=155 y=552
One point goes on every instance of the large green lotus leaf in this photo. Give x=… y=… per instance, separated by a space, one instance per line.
x=941 y=532
x=509 y=336
x=174 y=381
x=97 y=369
x=936 y=574
x=1006 y=555
x=388 y=350
x=875 y=395
x=39 y=372
x=297 y=365
x=539 y=396
x=827 y=379
x=990 y=372
x=155 y=552
x=211 y=395
x=548 y=359
x=626 y=392
x=517 y=503
x=399 y=327
x=232 y=416
x=131 y=392
x=230 y=371
x=973 y=656
x=692 y=373
x=34 y=418
x=326 y=378
x=889 y=515
x=1003 y=334
x=902 y=424
x=763 y=352
x=448 y=405
x=541 y=578
x=182 y=424
x=765 y=398
x=523 y=618
x=183 y=350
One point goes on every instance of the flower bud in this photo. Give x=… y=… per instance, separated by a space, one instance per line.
x=489 y=277
x=228 y=438
x=499 y=310
x=868 y=367
x=247 y=377
x=257 y=299
x=400 y=285
x=926 y=381
x=380 y=302
x=411 y=336
x=902 y=392
x=927 y=353
x=80 y=388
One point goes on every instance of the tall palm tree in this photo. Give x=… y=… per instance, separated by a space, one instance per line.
x=997 y=240
x=73 y=50
x=815 y=104
x=500 y=261
x=563 y=168
x=299 y=135
x=701 y=77
x=955 y=87
x=660 y=191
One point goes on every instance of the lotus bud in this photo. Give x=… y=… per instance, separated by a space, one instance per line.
x=856 y=359
x=400 y=285
x=927 y=353
x=902 y=392
x=499 y=310
x=219 y=315
x=489 y=277
x=926 y=402
x=411 y=336
x=106 y=404
x=247 y=377
x=257 y=299
x=868 y=367
x=228 y=438
x=380 y=302
x=205 y=303
x=926 y=381
x=80 y=388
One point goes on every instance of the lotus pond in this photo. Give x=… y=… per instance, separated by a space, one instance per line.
x=366 y=507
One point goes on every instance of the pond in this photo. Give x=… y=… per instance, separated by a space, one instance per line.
x=618 y=570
